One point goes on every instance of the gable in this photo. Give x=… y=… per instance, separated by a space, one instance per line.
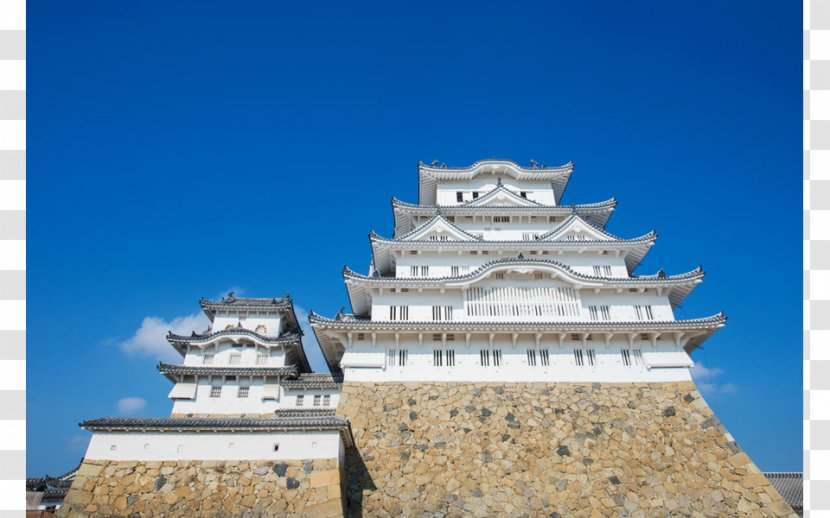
x=438 y=229
x=576 y=229
x=501 y=197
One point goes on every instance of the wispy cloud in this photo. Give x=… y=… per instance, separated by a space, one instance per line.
x=78 y=443
x=131 y=405
x=150 y=338
x=706 y=379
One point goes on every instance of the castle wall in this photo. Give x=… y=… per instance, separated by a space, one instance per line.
x=308 y=488
x=545 y=449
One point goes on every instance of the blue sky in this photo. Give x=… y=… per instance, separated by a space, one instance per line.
x=181 y=149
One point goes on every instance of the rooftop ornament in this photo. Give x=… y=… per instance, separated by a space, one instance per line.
x=534 y=163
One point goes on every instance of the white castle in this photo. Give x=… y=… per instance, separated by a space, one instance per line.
x=489 y=278
x=501 y=358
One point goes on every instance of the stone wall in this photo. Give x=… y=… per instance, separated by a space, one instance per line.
x=557 y=450
x=206 y=488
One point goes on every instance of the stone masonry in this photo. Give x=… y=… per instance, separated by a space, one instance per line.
x=206 y=488
x=536 y=449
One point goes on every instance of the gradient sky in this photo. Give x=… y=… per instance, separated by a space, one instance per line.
x=181 y=149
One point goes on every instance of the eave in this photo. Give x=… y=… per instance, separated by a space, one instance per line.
x=221 y=425
x=172 y=372
x=634 y=249
x=291 y=340
x=332 y=333
x=596 y=214
x=359 y=286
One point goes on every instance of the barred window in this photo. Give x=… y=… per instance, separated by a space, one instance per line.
x=300 y=400
x=442 y=312
x=207 y=359
x=644 y=312
x=398 y=312
x=638 y=356
x=216 y=391
x=605 y=270
x=599 y=312
x=450 y=354
x=485 y=357
x=397 y=357
x=501 y=219
x=242 y=392
x=235 y=359
x=475 y=195
x=402 y=356
x=592 y=357
x=454 y=271
x=496 y=357
x=318 y=399
x=261 y=359
x=626 y=357
x=544 y=357
x=327 y=400
x=438 y=358
x=578 y=358
x=531 y=357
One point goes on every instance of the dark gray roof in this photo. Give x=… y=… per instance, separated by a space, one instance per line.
x=55 y=494
x=171 y=371
x=304 y=412
x=206 y=424
x=287 y=338
x=314 y=381
x=252 y=303
x=54 y=485
x=791 y=487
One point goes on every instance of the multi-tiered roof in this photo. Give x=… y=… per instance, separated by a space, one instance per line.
x=475 y=225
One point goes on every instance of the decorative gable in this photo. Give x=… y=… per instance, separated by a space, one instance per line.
x=577 y=229
x=438 y=229
x=501 y=197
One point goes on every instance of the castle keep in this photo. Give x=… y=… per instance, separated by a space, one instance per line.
x=501 y=358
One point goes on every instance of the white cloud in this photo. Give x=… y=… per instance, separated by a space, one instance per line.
x=151 y=337
x=702 y=372
x=131 y=405
x=312 y=349
x=705 y=379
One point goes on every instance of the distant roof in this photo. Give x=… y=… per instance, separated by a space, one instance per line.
x=247 y=303
x=206 y=424
x=314 y=381
x=304 y=412
x=791 y=487
x=171 y=371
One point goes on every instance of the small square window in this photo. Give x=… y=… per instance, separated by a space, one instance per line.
x=327 y=400
x=243 y=392
x=215 y=392
x=317 y=400
x=300 y=400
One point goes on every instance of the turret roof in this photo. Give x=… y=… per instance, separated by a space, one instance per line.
x=172 y=371
x=429 y=175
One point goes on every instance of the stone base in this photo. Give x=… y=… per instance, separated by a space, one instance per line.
x=537 y=449
x=206 y=488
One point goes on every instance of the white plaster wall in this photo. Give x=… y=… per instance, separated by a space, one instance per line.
x=249 y=320
x=223 y=350
x=540 y=192
x=289 y=398
x=228 y=402
x=673 y=361
x=214 y=446
x=421 y=302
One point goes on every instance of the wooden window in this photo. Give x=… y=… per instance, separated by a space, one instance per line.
x=501 y=219
x=496 y=357
x=235 y=359
x=484 y=357
x=450 y=353
x=207 y=359
x=327 y=400
x=262 y=359
x=441 y=313
x=438 y=358
x=361 y=336
x=300 y=400
x=242 y=392
x=216 y=391
x=318 y=399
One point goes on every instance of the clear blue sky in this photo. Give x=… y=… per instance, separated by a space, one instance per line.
x=180 y=149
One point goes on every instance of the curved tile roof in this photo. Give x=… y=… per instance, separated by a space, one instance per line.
x=790 y=485
x=287 y=338
x=170 y=371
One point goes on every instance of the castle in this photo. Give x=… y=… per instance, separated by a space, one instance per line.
x=501 y=359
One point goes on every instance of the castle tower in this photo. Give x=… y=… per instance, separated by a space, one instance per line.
x=252 y=431
x=503 y=358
